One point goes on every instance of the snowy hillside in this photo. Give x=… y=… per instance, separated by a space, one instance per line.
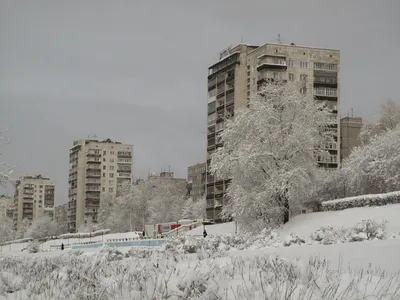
x=306 y=224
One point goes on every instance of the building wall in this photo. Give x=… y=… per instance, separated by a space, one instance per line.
x=196 y=180
x=97 y=169
x=168 y=177
x=350 y=128
x=34 y=198
x=299 y=61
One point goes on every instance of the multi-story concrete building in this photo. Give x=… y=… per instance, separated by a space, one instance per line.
x=350 y=128
x=197 y=180
x=34 y=198
x=6 y=206
x=240 y=72
x=97 y=169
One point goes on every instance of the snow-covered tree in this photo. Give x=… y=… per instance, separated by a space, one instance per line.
x=105 y=209
x=194 y=209
x=389 y=119
x=6 y=169
x=41 y=227
x=269 y=151
x=7 y=232
x=374 y=168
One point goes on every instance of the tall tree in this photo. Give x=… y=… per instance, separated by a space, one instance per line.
x=7 y=232
x=269 y=152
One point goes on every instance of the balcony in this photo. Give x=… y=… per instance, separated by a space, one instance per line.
x=330 y=82
x=93 y=188
x=211 y=83
x=92 y=154
x=93 y=160
x=93 y=174
x=325 y=93
x=125 y=154
x=92 y=166
x=120 y=161
x=272 y=63
x=325 y=67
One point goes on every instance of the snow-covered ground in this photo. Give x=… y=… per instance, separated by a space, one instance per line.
x=347 y=270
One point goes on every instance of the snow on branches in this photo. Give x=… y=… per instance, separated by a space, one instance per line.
x=269 y=152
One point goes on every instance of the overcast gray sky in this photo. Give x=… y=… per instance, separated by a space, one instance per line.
x=135 y=71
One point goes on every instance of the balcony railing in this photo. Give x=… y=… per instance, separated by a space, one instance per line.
x=325 y=92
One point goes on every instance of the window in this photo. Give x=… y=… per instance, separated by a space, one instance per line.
x=291 y=63
x=303 y=77
x=303 y=90
x=112 y=152
x=104 y=174
x=110 y=189
x=104 y=167
x=103 y=189
x=111 y=167
x=104 y=152
x=104 y=159
x=111 y=175
x=111 y=159
x=291 y=76
x=303 y=64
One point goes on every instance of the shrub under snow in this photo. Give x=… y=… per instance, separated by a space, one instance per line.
x=162 y=277
x=363 y=230
x=361 y=201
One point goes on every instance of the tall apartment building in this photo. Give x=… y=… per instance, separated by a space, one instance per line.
x=242 y=70
x=97 y=169
x=61 y=213
x=34 y=198
x=350 y=128
x=197 y=180
x=6 y=207
x=169 y=177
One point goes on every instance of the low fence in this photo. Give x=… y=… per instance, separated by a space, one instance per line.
x=133 y=243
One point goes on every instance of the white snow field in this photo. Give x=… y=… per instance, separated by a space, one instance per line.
x=191 y=267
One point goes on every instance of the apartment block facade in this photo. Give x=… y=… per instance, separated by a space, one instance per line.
x=33 y=198
x=98 y=168
x=350 y=128
x=241 y=71
x=197 y=180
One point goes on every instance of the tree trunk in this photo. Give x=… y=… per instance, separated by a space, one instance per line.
x=285 y=210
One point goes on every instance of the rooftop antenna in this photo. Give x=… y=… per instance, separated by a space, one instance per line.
x=352 y=112
x=169 y=168
x=279 y=39
x=241 y=40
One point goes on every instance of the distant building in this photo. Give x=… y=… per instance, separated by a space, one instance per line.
x=61 y=213
x=34 y=198
x=6 y=206
x=168 y=177
x=350 y=128
x=197 y=180
x=97 y=169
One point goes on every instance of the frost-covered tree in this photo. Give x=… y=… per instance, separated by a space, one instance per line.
x=105 y=209
x=6 y=169
x=41 y=227
x=269 y=151
x=194 y=209
x=374 y=168
x=149 y=201
x=389 y=119
x=7 y=232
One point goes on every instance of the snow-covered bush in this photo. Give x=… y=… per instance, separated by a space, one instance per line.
x=293 y=239
x=363 y=230
x=33 y=247
x=328 y=235
x=160 y=277
x=361 y=201
x=369 y=230
x=111 y=254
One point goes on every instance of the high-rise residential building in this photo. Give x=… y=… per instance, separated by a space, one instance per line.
x=34 y=198
x=197 y=180
x=6 y=207
x=61 y=213
x=97 y=169
x=350 y=128
x=241 y=71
